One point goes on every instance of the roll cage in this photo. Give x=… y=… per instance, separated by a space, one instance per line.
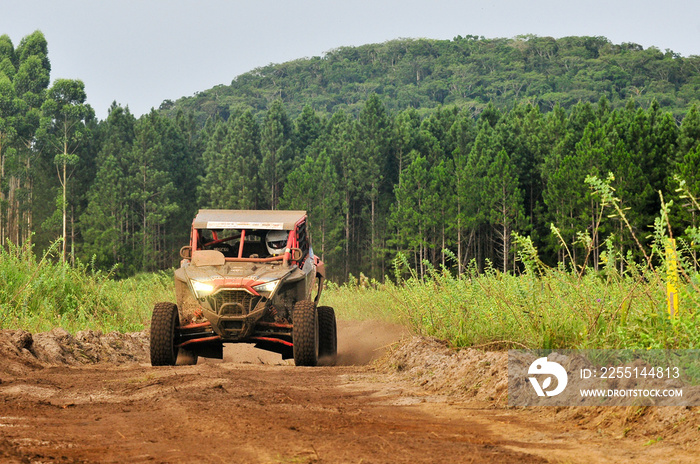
x=248 y=237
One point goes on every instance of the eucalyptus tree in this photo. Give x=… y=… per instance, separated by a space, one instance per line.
x=9 y=107
x=63 y=129
x=24 y=76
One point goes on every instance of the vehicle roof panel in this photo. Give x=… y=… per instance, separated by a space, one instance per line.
x=247 y=219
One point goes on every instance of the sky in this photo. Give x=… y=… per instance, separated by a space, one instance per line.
x=142 y=52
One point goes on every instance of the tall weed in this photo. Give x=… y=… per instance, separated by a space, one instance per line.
x=557 y=308
x=40 y=294
x=362 y=299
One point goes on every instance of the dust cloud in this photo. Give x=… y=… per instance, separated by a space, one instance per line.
x=359 y=343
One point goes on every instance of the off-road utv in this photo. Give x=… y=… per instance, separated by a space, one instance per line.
x=246 y=276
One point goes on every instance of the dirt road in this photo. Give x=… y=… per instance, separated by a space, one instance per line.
x=253 y=408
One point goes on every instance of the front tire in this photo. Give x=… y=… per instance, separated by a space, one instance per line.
x=164 y=323
x=327 y=332
x=305 y=333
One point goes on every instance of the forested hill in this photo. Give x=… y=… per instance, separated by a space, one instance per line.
x=467 y=72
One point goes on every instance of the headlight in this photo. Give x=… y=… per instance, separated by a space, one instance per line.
x=267 y=288
x=201 y=289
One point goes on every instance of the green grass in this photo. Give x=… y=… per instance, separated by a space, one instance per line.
x=39 y=294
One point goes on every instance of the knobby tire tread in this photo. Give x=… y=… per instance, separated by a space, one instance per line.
x=164 y=321
x=327 y=332
x=305 y=333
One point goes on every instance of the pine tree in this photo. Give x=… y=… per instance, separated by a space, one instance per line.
x=107 y=222
x=210 y=191
x=277 y=151
x=506 y=210
x=180 y=145
x=373 y=141
x=307 y=128
x=442 y=207
x=472 y=194
x=240 y=173
x=406 y=132
x=689 y=136
x=462 y=134
x=151 y=191
x=339 y=143
x=689 y=172
x=313 y=186
x=521 y=133
x=8 y=140
x=411 y=215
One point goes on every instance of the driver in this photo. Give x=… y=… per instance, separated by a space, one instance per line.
x=276 y=241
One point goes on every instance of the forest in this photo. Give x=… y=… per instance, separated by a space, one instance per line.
x=468 y=72
x=437 y=151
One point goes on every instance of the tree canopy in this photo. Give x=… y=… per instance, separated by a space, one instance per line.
x=469 y=72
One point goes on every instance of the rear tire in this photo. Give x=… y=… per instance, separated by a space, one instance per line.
x=164 y=323
x=305 y=333
x=327 y=332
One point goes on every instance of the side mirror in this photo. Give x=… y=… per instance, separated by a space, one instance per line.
x=186 y=252
x=296 y=254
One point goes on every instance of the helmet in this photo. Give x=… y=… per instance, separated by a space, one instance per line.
x=276 y=241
